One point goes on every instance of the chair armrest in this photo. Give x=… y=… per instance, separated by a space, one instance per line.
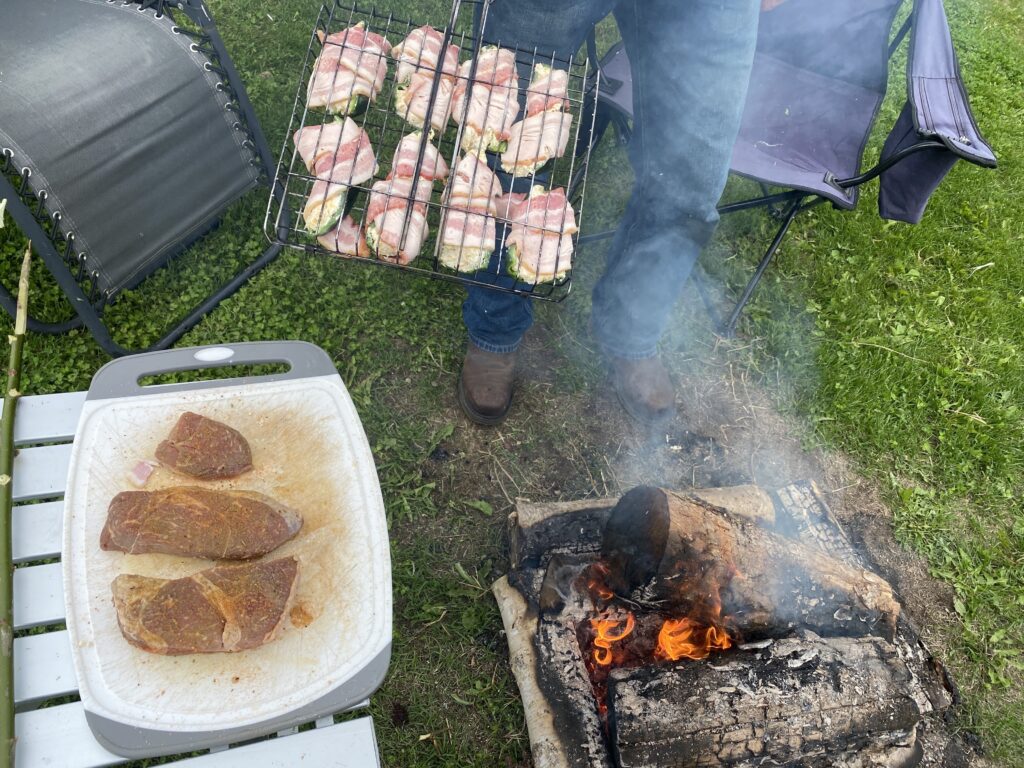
x=936 y=108
x=935 y=89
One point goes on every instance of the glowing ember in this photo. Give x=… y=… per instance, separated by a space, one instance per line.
x=606 y=635
x=688 y=639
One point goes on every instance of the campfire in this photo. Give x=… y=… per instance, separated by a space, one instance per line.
x=724 y=627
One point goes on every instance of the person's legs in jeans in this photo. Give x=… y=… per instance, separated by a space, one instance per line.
x=690 y=64
x=496 y=320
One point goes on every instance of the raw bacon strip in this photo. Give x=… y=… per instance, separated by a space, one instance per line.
x=474 y=186
x=418 y=54
x=547 y=91
x=493 y=101
x=324 y=206
x=544 y=133
x=540 y=244
x=413 y=99
x=494 y=66
x=535 y=140
x=140 y=473
x=338 y=151
x=488 y=118
x=357 y=38
x=341 y=91
x=418 y=58
x=387 y=234
x=407 y=153
x=467 y=239
x=393 y=192
x=346 y=239
x=508 y=205
x=349 y=71
x=340 y=155
x=468 y=227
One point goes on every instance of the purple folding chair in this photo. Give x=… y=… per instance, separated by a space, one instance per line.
x=816 y=87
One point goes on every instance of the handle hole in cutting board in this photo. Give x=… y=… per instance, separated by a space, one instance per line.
x=212 y=374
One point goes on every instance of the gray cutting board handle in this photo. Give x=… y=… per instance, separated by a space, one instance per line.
x=120 y=378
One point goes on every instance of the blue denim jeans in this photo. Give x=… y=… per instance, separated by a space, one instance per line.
x=691 y=63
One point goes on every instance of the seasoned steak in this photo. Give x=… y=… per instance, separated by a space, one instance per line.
x=204 y=449
x=225 y=608
x=198 y=522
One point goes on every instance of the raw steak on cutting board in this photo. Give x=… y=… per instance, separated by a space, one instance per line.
x=225 y=608
x=205 y=449
x=198 y=522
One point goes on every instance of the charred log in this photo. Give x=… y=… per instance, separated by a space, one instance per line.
x=573 y=527
x=560 y=712
x=809 y=519
x=576 y=527
x=685 y=552
x=803 y=701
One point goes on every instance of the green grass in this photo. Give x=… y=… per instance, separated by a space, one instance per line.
x=897 y=345
x=902 y=346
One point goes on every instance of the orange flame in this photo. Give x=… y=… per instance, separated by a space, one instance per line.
x=606 y=636
x=596 y=583
x=688 y=639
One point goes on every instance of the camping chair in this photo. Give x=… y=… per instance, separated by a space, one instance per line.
x=817 y=84
x=125 y=133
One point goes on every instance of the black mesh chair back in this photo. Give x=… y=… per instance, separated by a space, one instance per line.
x=125 y=134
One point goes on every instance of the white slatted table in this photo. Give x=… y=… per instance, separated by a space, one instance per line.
x=57 y=735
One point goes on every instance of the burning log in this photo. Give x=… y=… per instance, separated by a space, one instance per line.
x=560 y=717
x=702 y=558
x=576 y=526
x=799 y=701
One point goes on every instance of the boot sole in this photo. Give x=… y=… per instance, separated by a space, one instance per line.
x=475 y=416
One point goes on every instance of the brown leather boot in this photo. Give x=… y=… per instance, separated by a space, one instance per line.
x=643 y=387
x=485 y=386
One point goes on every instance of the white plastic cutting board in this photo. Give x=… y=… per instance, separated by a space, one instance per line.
x=309 y=452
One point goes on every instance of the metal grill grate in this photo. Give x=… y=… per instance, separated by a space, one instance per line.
x=385 y=126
